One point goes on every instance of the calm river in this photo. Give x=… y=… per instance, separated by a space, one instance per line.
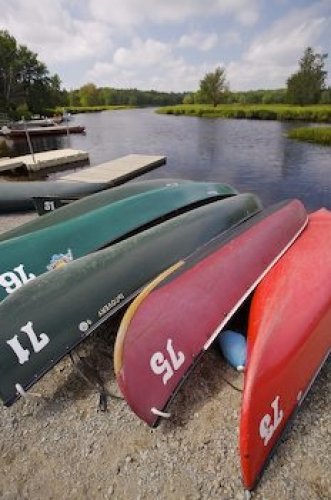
x=253 y=156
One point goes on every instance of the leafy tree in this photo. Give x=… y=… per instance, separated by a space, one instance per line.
x=188 y=99
x=326 y=96
x=8 y=51
x=212 y=86
x=89 y=95
x=25 y=82
x=306 y=85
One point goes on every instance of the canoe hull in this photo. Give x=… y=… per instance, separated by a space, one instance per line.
x=289 y=338
x=25 y=257
x=79 y=297
x=91 y=202
x=178 y=316
x=18 y=196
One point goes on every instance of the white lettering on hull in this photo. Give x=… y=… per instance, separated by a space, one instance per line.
x=38 y=342
x=12 y=280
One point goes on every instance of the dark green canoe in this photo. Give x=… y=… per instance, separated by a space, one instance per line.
x=97 y=200
x=18 y=196
x=24 y=257
x=47 y=318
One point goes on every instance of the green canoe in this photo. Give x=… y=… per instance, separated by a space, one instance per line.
x=17 y=196
x=47 y=318
x=95 y=201
x=24 y=257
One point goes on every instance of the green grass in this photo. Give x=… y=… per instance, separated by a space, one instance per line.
x=85 y=109
x=315 y=113
x=319 y=135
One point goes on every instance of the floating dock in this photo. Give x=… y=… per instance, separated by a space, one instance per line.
x=44 y=160
x=117 y=171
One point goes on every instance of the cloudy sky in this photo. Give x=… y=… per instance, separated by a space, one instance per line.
x=170 y=44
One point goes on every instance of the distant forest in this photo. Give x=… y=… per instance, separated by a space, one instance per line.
x=27 y=87
x=90 y=95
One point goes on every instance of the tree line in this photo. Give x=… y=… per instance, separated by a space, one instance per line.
x=90 y=95
x=27 y=87
x=306 y=86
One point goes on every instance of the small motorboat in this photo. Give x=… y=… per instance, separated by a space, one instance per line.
x=17 y=133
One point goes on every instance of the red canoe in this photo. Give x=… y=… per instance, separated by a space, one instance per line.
x=289 y=338
x=178 y=316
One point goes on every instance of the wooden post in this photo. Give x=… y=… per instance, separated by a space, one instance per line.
x=29 y=140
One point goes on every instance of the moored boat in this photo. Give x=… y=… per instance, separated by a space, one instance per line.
x=24 y=257
x=177 y=316
x=57 y=310
x=289 y=338
x=16 y=133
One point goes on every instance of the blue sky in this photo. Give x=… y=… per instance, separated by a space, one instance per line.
x=170 y=44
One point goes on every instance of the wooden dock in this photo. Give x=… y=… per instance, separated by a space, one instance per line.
x=44 y=160
x=117 y=171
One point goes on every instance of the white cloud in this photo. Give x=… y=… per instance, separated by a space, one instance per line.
x=132 y=13
x=141 y=54
x=197 y=40
x=117 y=40
x=148 y=64
x=274 y=55
x=48 y=29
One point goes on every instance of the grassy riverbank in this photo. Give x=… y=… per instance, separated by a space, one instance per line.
x=319 y=135
x=315 y=113
x=85 y=109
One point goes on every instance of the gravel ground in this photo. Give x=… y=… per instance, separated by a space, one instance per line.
x=57 y=445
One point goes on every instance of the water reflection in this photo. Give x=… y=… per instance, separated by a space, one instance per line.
x=253 y=156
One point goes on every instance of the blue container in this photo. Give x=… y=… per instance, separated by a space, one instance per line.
x=234 y=348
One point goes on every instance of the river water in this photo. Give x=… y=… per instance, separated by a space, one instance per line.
x=253 y=156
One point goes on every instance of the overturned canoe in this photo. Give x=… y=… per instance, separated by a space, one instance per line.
x=99 y=200
x=24 y=257
x=289 y=338
x=176 y=318
x=44 y=320
x=18 y=196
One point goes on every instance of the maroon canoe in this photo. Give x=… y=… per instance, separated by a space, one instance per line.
x=178 y=316
x=289 y=338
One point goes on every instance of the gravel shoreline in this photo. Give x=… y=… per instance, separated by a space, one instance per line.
x=57 y=445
